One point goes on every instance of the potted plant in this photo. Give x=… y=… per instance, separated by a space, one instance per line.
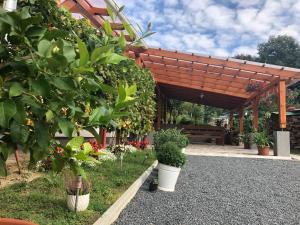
x=78 y=193
x=171 y=159
x=263 y=142
x=173 y=135
x=246 y=139
x=74 y=156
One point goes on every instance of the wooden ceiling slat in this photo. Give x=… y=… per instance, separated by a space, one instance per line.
x=184 y=83
x=199 y=78
x=99 y=11
x=200 y=75
x=222 y=62
x=202 y=84
x=237 y=74
x=117 y=26
x=69 y=5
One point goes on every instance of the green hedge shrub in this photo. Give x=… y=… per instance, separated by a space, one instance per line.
x=173 y=135
x=171 y=155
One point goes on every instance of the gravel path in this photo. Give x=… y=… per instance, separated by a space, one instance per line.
x=219 y=190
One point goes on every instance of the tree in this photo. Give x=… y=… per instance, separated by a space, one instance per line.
x=247 y=57
x=282 y=50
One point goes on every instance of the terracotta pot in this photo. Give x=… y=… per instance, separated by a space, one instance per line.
x=263 y=150
x=8 y=221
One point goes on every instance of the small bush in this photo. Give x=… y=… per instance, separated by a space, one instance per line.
x=171 y=155
x=172 y=135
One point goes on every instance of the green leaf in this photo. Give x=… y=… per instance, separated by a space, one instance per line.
x=115 y=58
x=37 y=153
x=20 y=116
x=42 y=135
x=128 y=29
x=57 y=165
x=131 y=90
x=66 y=84
x=40 y=87
x=19 y=133
x=45 y=48
x=107 y=89
x=101 y=52
x=87 y=148
x=121 y=93
x=75 y=143
x=69 y=51
x=7 y=111
x=6 y=150
x=15 y=90
x=49 y=116
x=84 y=54
x=107 y=28
x=122 y=40
x=36 y=32
x=110 y=13
x=66 y=127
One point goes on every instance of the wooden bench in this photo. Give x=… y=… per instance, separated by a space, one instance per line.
x=201 y=133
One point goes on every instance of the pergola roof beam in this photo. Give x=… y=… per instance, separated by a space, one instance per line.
x=222 y=70
x=231 y=63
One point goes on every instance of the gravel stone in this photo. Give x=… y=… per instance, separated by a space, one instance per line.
x=222 y=190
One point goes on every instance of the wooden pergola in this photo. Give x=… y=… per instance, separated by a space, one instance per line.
x=207 y=80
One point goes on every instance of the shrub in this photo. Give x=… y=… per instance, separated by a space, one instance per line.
x=173 y=135
x=262 y=139
x=171 y=155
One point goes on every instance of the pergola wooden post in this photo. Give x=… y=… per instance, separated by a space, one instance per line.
x=165 y=110
x=282 y=103
x=241 y=120
x=159 y=103
x=231 y=120
x=255 y=104
x=138 y=60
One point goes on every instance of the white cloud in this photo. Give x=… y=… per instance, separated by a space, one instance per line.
x=222 y=28
x=245 y=50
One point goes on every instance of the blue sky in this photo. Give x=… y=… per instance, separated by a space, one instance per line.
x=214 y=27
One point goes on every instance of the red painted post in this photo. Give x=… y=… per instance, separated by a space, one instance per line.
x=103 y=137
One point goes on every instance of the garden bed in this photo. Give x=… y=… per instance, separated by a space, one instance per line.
x=43 y=200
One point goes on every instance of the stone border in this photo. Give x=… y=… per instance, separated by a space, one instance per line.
x=234 y=155
x=113 y=212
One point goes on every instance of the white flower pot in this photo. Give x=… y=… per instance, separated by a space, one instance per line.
x=167 y=177
x=83 y=202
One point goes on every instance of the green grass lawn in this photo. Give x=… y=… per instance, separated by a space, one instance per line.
x=43 y=200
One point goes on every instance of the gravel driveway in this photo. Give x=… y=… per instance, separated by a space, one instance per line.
x=222 y=190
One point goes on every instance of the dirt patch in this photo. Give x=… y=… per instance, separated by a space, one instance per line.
x=13 y=171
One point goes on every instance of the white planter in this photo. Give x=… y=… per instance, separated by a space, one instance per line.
x=83 y=202
x=167 y=177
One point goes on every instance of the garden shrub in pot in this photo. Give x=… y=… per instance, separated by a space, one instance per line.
x=171 y=159
x=170 y=135
x=263 y=142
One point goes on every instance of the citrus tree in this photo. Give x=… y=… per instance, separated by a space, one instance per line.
x=49 y=84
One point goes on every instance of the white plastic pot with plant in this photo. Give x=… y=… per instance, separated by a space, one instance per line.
x=74 y=155
x=171 y=159
x=78 y=193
